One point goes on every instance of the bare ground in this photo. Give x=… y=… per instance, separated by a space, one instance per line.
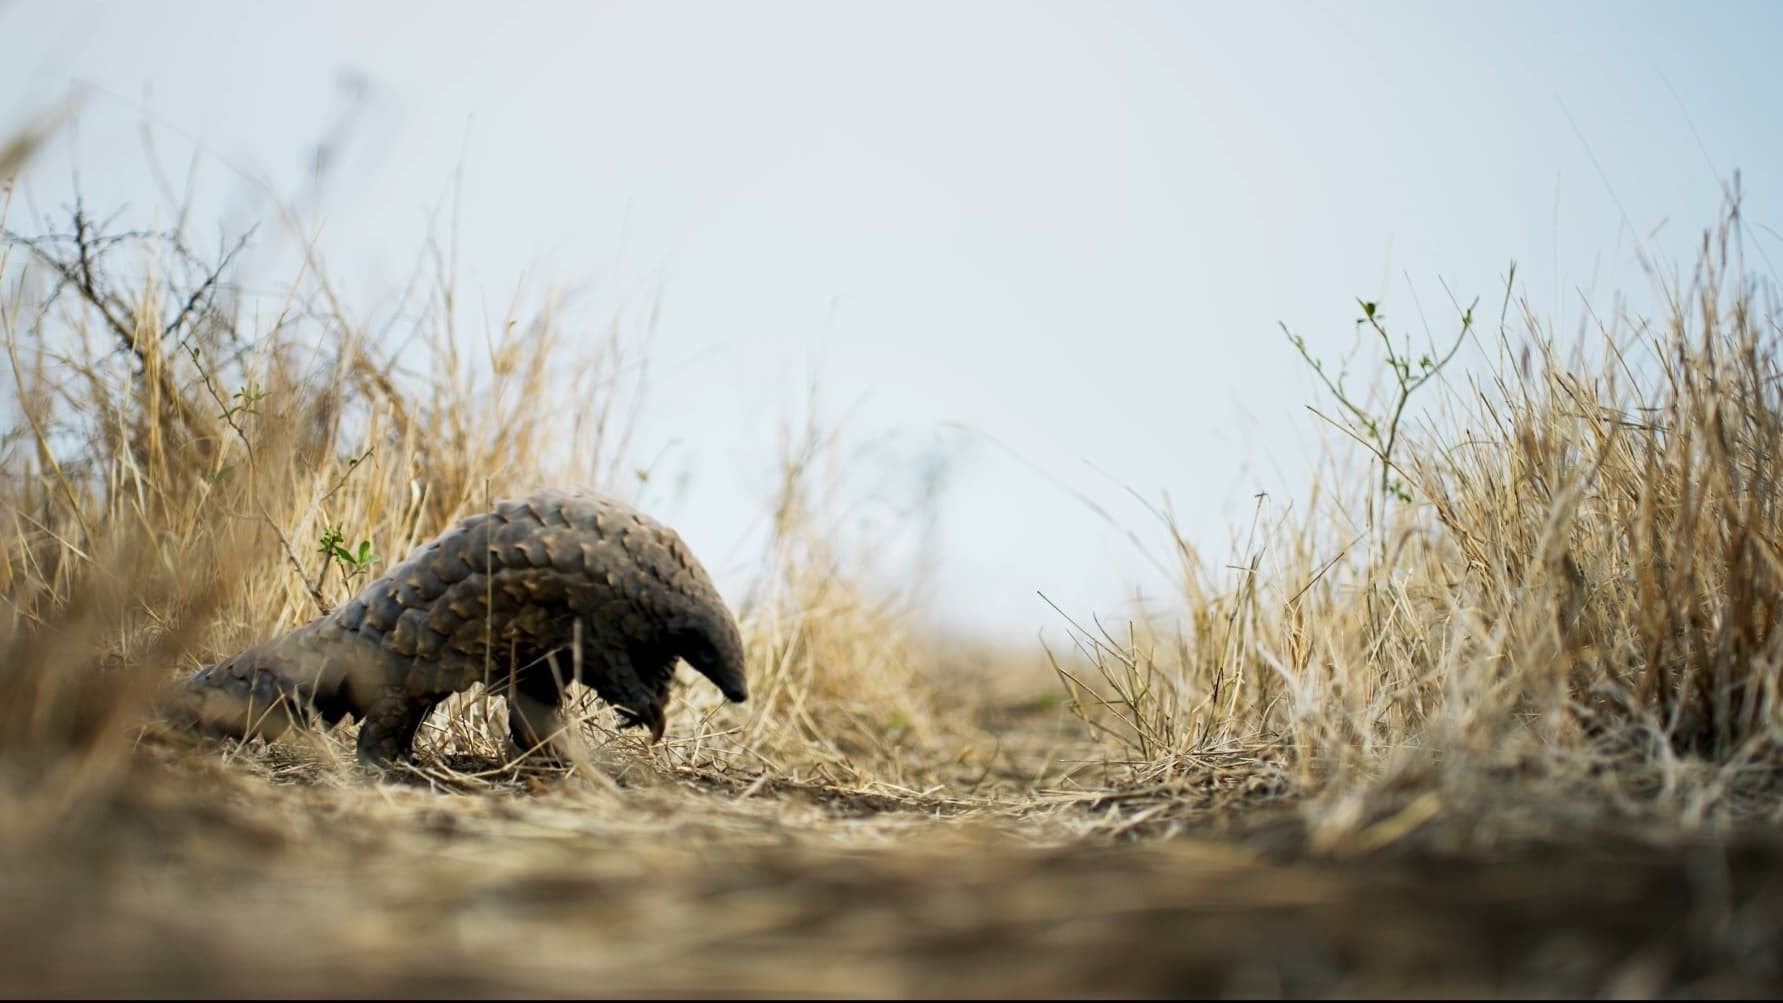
x=277 y=871
x=1522 y=740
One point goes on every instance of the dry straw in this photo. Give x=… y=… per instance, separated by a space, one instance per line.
x=1545 y=596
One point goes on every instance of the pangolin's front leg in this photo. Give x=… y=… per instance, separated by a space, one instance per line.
x=533 y=702
x=387 y=728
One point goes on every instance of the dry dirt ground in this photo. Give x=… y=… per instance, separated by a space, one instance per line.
x=1483 y=708
x=221 y=870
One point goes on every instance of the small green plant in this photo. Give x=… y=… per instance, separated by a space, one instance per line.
x=353 y=562
x=353 y=463
x=247 y=401
x=1379 y=431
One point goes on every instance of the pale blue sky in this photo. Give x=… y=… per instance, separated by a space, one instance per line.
x=1070 y=228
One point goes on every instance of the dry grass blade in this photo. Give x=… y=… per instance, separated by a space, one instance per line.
x=1538 y=708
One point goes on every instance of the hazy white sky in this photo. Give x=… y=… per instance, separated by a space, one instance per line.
x=1043 y=248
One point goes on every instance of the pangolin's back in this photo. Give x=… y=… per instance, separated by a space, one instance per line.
x=534 y=575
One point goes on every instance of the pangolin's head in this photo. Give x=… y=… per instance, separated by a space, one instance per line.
x=715 y=649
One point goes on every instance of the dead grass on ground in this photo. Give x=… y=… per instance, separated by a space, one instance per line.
x=1511 y=727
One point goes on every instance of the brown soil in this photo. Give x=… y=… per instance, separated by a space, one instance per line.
x=279 y=874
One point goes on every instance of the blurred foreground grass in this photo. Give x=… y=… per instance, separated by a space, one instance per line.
x=1498 y=715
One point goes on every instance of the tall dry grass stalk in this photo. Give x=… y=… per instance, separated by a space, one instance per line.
x=1568 y=571
x=1587 y=570
x=180 y=466
x=836 y=666
x=1571 y=560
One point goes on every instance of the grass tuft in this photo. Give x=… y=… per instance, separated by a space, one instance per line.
x=1487 y=709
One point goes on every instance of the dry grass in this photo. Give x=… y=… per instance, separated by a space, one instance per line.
x=1581 y=574
x=1510 y=727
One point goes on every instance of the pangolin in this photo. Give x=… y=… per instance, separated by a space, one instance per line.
x=524 y=598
